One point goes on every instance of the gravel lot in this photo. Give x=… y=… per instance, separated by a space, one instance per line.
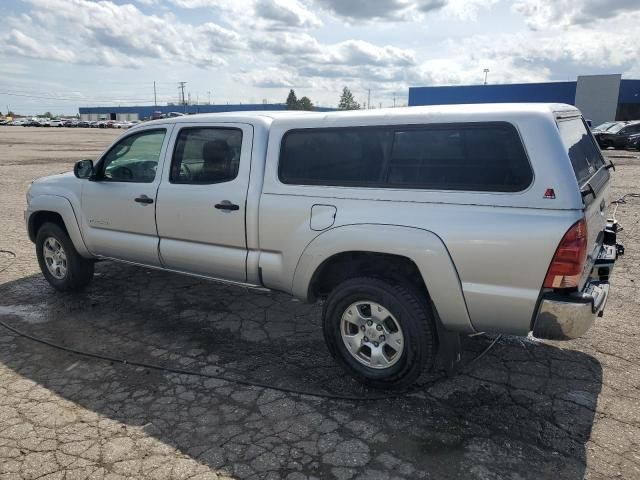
x=526 y=410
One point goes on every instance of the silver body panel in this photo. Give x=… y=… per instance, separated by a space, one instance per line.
x=483 y=255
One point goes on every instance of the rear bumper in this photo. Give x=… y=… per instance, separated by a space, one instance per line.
x=564 y=317
x=567 y=316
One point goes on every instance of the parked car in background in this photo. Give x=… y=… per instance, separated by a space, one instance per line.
x=83 y=124
x=603 y=127
x=70 y=123
x=618 y=135
x=56 y=123
x=32 y=123
x=413 y=225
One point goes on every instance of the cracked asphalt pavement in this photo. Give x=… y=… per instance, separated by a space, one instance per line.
x=528 y=409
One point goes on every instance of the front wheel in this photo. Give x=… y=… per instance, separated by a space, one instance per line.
x=381 y=333
x=60 y=263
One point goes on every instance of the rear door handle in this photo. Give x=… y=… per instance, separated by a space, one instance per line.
x=144 y=199
x=227 y=205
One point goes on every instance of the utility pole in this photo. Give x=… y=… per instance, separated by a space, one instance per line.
x=155 y=98
x=368 y=99
x=209 y=93
x=394 y=99
x=486 y=71
x=181 y=86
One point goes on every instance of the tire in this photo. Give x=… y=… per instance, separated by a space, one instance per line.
x=74 y=272
x=411 y=315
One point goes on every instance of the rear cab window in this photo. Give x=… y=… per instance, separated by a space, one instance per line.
x=584 y=153
x=486 y=157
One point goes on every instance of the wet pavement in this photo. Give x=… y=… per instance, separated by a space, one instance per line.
x=528 y=409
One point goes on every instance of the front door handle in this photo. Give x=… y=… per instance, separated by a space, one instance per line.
x=227 y=205
x=144 y=199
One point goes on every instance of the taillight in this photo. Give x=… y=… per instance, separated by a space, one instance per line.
x=568 y=262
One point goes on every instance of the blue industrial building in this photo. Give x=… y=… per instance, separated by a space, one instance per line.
x=557 y=92
x=600 y=97
x=141 y=112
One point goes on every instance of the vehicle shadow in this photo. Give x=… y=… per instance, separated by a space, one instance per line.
x=525 y=410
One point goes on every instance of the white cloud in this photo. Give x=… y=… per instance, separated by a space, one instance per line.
x=402 y=10
x=359 y=52
x=285 y=14
x=468 y=9
x=389 y=10
x=543 y=14
x=272 y=77
x=116 y=35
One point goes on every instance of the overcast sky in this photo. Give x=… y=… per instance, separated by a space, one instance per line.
x=79 y=52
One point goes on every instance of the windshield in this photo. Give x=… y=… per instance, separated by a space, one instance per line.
x=583 y=151
x=605 y=126
x=616 y=128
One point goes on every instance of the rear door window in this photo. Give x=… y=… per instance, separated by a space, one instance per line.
x=583 y=151
x=206 y=155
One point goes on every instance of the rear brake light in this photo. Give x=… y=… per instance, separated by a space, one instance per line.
x=568 y=262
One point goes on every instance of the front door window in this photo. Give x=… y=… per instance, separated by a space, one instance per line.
x=134 y=158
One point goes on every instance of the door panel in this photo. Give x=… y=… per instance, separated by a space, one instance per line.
x=201 y=202
x=118 y=207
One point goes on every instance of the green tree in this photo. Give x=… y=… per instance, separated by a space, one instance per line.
x=292 y=101
x=305 y=104
x=347 y=102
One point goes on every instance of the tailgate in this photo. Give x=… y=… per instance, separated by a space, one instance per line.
x=592 y=176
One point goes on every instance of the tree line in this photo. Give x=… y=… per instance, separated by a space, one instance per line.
x=347 y=102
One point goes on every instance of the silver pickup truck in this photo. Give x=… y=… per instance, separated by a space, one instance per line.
x=413 y=226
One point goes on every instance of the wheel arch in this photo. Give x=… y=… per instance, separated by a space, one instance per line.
x=55 y=209
x=412 y=251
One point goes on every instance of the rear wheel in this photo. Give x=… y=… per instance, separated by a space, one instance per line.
x=380 y=332
x=60 y=263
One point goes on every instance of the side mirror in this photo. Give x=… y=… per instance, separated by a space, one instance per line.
x=83 y=169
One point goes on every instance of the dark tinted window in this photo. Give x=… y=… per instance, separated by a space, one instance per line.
x=481 y=158
x=206 y=155
x=583 y=152
x=334 y=156
x=488 y=157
